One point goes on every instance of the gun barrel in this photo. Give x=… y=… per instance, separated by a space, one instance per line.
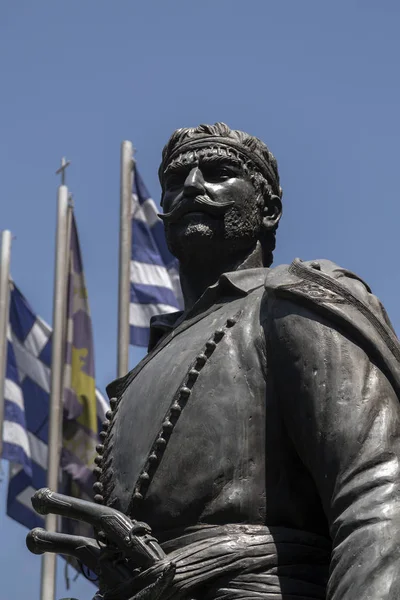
x=131 y=537
x=84 y=549
x=45 y=501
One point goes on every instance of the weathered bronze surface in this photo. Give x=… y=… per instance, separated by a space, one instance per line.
x=259 y=438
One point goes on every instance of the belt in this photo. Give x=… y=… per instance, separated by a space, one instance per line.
x=238 y=562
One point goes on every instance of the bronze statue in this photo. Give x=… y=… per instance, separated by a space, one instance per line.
x=254 y=452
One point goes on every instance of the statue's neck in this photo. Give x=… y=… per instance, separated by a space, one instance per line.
x=200 y=273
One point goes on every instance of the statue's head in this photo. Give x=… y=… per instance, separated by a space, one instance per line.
x=220 y=192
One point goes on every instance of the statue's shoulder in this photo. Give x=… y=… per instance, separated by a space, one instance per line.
x=322 y=281
x=320 y=272
x=341 y=298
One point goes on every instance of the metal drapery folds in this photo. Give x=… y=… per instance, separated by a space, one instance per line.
x=155 y=287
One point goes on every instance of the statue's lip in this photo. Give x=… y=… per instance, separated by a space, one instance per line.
x=198 y=211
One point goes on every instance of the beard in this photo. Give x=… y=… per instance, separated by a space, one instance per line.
x=200 y=237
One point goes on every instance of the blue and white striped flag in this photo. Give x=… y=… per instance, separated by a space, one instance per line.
x=27 y=398
x=155 y=287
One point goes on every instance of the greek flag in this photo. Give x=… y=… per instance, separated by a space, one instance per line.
x=155 y=287
x=26 y=419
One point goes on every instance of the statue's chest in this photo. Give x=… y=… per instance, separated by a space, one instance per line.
x=193 y=413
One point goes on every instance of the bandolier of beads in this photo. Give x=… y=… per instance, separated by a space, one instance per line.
x=103 y=450
x=179 y=402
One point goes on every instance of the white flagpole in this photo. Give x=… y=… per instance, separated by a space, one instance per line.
x=125 y=240
x=4 y=319
x=48 y=577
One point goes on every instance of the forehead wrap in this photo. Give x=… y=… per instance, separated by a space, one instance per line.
x=258 y=161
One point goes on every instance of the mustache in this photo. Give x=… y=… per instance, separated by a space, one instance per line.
x=199 y=203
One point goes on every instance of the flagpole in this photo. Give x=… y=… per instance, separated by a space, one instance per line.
x=125 y=241
x=48 y=576
x=70 y=212
x=4 y=319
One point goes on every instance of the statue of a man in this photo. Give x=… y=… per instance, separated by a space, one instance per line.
x=260 y=437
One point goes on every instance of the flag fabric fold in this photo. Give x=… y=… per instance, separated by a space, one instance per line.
x=80 y=427
x=27 y=387
x=155 y=287
x=27 y=400
x=16 y=447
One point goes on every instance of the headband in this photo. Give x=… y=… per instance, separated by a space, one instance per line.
x=205 y=142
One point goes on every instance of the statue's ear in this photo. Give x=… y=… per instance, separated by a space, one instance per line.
x=272 y=212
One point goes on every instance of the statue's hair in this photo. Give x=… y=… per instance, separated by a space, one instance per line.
x=252 y=145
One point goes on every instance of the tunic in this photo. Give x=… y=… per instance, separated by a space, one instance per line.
x=260 y=439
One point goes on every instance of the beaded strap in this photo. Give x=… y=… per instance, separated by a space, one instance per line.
x=103 y=458
x=179 y=402
x=103 y=461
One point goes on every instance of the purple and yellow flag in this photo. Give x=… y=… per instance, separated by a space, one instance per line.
x=80 y=423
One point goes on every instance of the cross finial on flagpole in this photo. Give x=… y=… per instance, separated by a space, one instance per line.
x=64 y=164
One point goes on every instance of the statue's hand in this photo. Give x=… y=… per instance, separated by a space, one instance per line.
x=126 y=557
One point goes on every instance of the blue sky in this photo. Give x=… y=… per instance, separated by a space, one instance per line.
x=317 y=81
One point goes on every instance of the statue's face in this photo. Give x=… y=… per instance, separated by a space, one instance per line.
x=209 y=204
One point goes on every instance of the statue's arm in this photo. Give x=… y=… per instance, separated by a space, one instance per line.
x=344 y=419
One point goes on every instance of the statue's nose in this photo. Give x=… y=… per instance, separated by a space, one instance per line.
x=194 y=183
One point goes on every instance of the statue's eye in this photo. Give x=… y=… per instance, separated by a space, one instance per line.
x=173 y=180
x=217 y=173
